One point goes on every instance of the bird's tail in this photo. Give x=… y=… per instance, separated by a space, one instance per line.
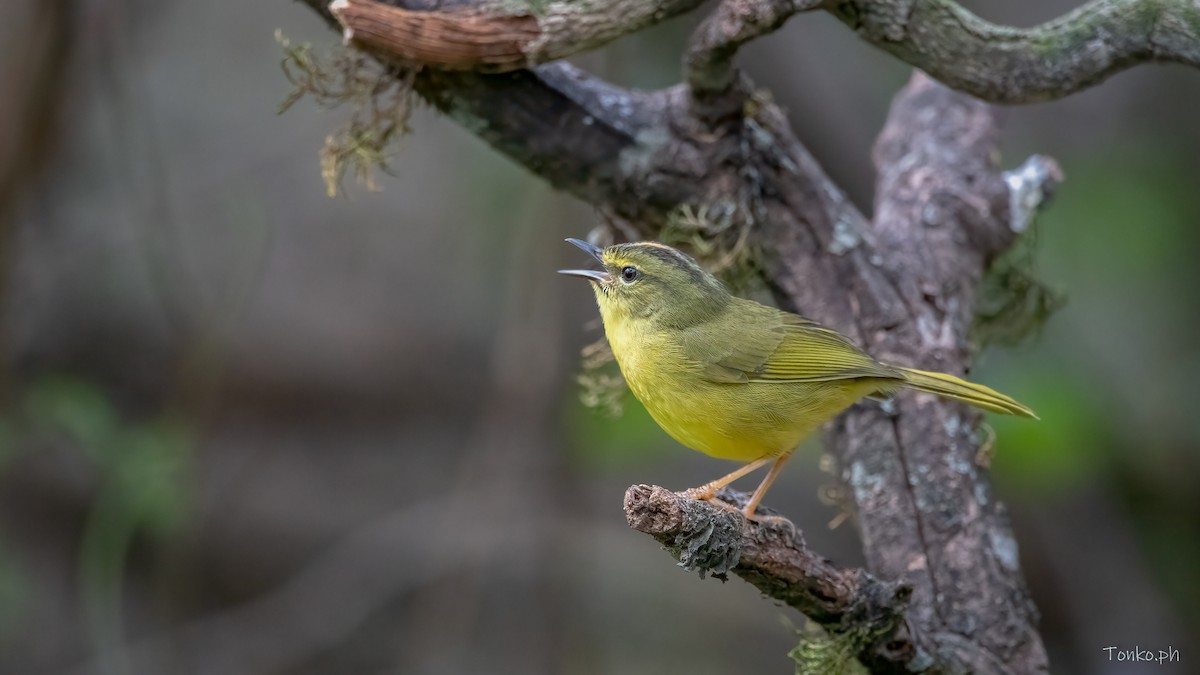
x=967 y=392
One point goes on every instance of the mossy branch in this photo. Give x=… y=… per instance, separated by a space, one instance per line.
x=1002 y=64
x=997 y=63
x=860 y=614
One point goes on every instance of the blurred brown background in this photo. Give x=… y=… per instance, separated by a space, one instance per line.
x=248 y=429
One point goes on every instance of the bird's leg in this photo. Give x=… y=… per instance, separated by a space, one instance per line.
x=752 y=505
x=709 y=490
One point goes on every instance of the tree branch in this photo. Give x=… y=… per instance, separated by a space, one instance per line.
x=924 y=500
x=992 y=62
x=847 y=602
x=1022 y=65
x=709 y=59
x=497 y=35
x=582 y=134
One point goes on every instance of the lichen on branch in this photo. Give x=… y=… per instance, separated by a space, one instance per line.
x=861 y=617
x=1003 y=64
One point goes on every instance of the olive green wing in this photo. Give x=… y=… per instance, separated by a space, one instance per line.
x=782 y=347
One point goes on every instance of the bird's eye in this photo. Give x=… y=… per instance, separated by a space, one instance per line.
x=630 y=274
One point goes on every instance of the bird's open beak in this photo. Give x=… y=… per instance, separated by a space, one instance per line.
x=591 y=275
x=590 y=249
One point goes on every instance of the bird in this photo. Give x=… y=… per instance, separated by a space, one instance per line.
x=734 y=378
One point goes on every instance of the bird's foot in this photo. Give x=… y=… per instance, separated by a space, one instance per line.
x=708 y=493
x=763 y=519
x=704 y=493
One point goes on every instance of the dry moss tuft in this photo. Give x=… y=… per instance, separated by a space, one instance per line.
x=601 y=386
x=1013 y=302
x=717 y=239
x=822 y=653
x=381 y=100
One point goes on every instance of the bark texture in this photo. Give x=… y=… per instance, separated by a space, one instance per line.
x=1020 y=65
x=996 y=63
x=852 y=605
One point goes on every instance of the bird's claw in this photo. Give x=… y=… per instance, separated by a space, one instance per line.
x=704 y=493
x=764 y=520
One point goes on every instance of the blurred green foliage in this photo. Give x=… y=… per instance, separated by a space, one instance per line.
x=14 y=593
x=7 y=446
x=139 y=462
x=1049 y=458
x=1113 y=374
x=71 y=408
x=600 y=441
x=139 y=468
x=1119 y=236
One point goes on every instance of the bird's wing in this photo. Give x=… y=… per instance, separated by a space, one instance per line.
x=789 y=348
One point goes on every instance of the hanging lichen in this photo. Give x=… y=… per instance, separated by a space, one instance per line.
x=601 y=386
x=1013 y=303
x=381 y=102
x=822 y=653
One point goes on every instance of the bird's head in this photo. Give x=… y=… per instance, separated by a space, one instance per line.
x=652 y=281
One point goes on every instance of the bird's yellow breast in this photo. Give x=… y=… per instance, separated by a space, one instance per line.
x=738 y=421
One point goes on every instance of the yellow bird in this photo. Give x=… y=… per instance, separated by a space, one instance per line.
x=734 y=378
